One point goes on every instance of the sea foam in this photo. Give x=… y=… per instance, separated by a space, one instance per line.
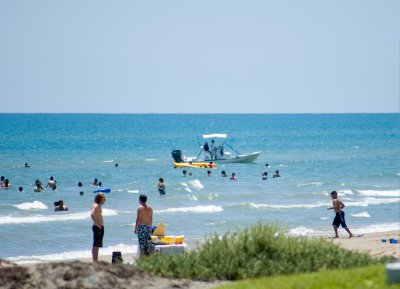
x=72 y=255
x=57 y=217
x=35 y=205
x=361 y=215
x=197 y=209
x=372 y=193
x=289 y=206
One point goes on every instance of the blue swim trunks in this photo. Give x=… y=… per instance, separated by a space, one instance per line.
x=144 y=236
x=161 y=191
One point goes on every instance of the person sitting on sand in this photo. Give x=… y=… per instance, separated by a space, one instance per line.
x=223 y=174
x=59 y=206
x=161 y=186
x=339 y=215
x=233 y=177
x=144 y=222
x=52 y=183
x=276 y=175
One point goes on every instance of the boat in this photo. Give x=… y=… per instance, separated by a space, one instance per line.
x=215 y=153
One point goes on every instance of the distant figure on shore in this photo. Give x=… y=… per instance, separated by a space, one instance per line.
x=144 y=222
x=98 y=225
x=233 y=177
x=95 y=182
x=20 y=189
x=52 y=183
x=209 y=173
x=80 y=187
x=223 y=174
x=26 y=165
x=59 y=206
x=161 y=186
x=276 y=175
x=184 y=173
x=265 y=176
x=339 y=215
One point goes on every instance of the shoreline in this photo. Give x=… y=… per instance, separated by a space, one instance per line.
x=371 y=243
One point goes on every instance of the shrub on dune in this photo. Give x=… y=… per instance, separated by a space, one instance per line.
x=262 y=250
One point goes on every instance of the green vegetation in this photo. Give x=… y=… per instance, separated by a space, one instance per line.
x=371 y=277
x=259 y=251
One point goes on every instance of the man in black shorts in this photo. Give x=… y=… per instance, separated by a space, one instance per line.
x=339 y=215
x=98 y=225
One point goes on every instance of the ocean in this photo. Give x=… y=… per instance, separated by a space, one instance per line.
x=357 y=155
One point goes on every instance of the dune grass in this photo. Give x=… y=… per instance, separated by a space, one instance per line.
x=371 y=277
x=260 y=251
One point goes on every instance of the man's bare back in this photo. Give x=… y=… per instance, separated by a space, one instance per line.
x=96 y=215
x=144 y=215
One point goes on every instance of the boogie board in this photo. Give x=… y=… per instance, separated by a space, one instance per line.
x=203 y=165
x=107 y=190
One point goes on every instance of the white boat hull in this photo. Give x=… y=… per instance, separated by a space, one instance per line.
x=247 y=158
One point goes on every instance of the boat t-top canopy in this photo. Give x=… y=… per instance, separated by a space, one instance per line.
x=215 y=135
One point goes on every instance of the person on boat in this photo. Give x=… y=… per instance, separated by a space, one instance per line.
x=211 y=165
x=161 y=186
x=276 y=175
x=265 y=176
x=206 y=148
x=223 y=174
x=213 y=150
x=233 y=177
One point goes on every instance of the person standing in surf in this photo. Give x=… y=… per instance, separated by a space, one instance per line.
x=161 y=186
x=144 y=221
x=339 y=215
x=98 y=225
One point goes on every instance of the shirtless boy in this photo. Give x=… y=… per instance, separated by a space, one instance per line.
x=98 y=225
x=339 y=217
x=144 y=221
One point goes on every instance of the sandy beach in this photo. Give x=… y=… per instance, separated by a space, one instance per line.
x=85 y=274
x=372 y=243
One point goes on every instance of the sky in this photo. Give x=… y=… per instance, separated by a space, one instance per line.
x=219 y=56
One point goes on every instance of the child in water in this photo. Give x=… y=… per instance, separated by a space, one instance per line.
x=161 y=186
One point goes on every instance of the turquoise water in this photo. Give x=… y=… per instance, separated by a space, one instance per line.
x=355 y=154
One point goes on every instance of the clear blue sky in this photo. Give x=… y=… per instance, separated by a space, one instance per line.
x=204 y=56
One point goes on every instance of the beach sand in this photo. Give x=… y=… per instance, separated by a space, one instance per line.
x=371 y=243
x=86 y=274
